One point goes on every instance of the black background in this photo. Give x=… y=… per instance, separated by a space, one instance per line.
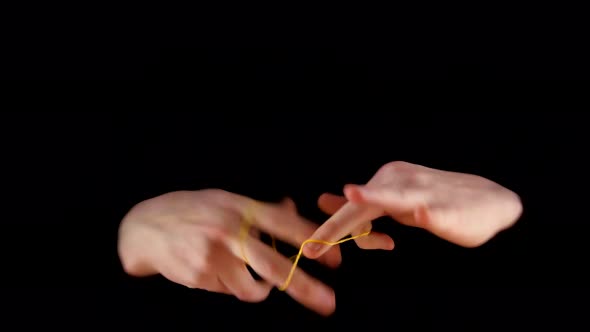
x=194 y=42
x=189 y=115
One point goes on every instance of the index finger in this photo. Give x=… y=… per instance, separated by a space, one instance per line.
x=290 y=227
x=350 y=217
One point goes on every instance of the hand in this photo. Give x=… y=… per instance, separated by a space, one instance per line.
x=465 y=209
x=193 y=238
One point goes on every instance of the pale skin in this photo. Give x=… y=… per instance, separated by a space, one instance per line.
x=192 y=237
x=465 y=209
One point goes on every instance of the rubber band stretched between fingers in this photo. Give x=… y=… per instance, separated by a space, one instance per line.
x=247 y=223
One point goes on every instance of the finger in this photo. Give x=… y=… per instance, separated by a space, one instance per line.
x=235 y=276
x=350 y=217
x=276 y=268
x=290 y=227
x=333 y=257
x=330 y=203
x=374 y=240
x=210 y=283
x=388 y=198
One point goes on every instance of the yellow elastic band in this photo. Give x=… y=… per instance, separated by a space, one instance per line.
x=298 y=256
x=245 y=229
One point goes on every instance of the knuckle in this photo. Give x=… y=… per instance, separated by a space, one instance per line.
x=215 y=191
x=250 y=295
x=415 y=178
x=221 y=233
x=206 y=261
x=195 y=280
x=395 y=166
x=408 y=173
x=219 y=194
x=244 y=294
